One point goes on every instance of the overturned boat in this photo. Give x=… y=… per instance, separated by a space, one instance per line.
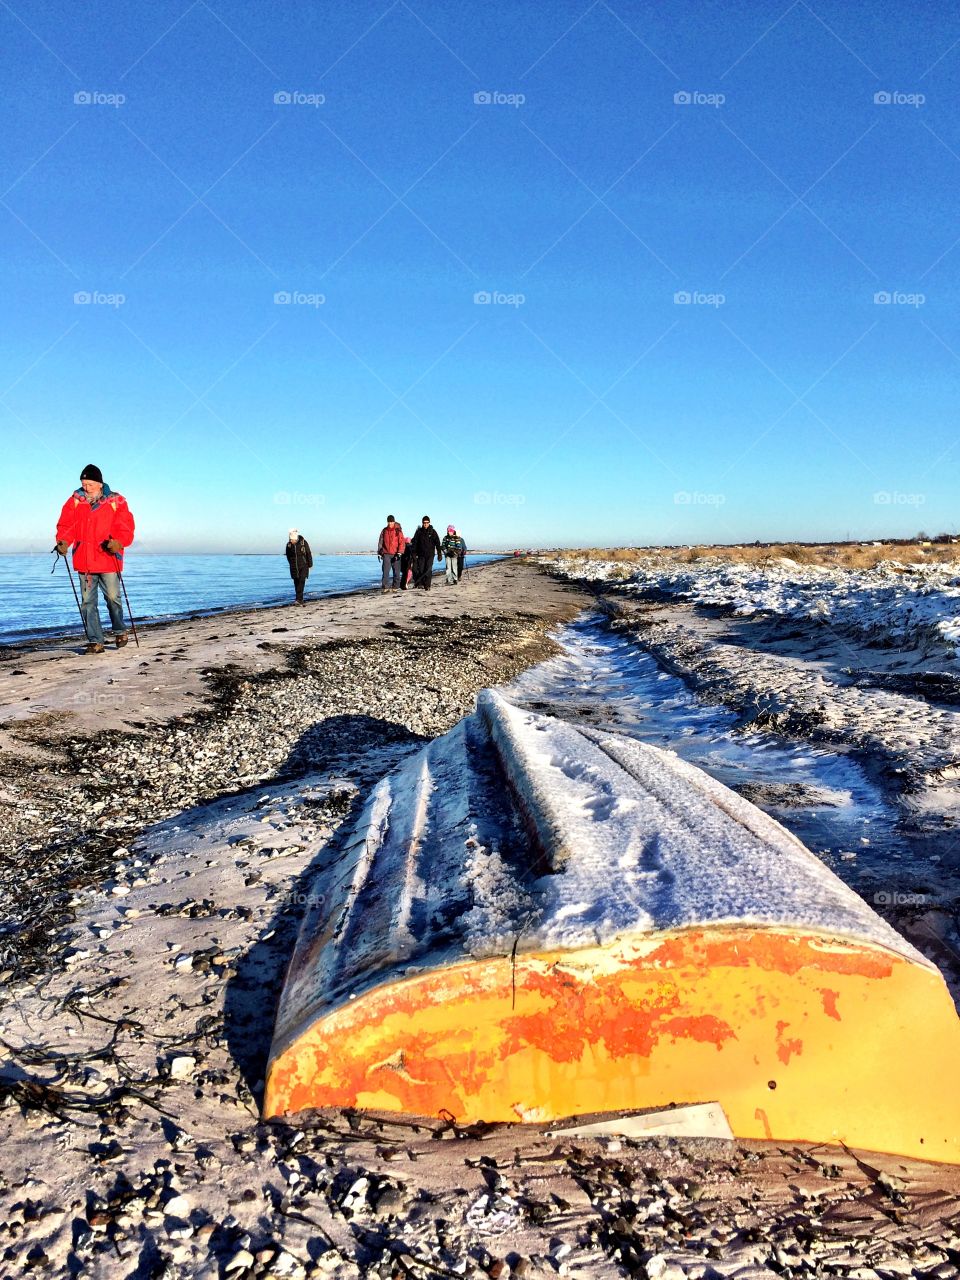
x=533 y=920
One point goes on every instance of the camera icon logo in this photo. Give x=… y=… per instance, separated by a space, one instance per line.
x=82 y=98
x=483 y=98
x=683 y=98
x=282 y=98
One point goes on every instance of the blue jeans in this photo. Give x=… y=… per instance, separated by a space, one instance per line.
x=109 y=583
x=391 y=566
x=452 y=569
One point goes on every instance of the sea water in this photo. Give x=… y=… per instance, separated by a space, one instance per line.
x=35 y=603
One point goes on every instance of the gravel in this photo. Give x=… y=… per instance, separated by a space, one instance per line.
x=69 y=824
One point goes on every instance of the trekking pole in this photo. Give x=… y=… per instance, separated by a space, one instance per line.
x=83 y=620
x=123 y=587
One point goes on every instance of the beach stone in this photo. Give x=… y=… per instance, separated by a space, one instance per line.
x=242 y=1258
x=389 y=1200
x=182 y=1067
x=177 y=1206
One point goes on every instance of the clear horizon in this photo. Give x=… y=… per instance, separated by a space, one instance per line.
x=591 y=275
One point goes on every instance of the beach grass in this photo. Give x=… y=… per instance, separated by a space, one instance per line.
x=843 y=555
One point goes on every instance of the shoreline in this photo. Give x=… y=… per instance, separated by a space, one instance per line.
x=95 y=739
x=30 y=642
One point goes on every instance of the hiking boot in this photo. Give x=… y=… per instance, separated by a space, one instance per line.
x=121 y=639
x=94 y=648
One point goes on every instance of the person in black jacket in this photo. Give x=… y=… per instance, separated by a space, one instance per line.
x=300 y=561
x=425 y=544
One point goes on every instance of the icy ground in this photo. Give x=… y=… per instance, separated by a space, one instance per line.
x=901 y=603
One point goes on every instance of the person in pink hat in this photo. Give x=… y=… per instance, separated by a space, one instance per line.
x=452 y=546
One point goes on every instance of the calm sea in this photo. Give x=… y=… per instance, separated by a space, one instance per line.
x=35 y=603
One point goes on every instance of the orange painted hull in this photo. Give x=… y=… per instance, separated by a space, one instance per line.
x=799 y=1037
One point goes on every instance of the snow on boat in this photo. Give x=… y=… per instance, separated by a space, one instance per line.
x=532 y=921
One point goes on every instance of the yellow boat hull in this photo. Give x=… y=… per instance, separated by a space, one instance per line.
x=799 y=1037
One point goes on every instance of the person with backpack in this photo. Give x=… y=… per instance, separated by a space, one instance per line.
x=390 y=550
x=424 y=544
x=300 y=560
x=99 y=526
x=452 y=546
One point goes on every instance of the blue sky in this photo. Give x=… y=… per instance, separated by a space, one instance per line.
x=619 y=156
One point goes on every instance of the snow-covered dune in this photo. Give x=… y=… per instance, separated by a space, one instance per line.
x=904 y=602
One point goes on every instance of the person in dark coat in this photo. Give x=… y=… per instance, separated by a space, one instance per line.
x=406 y=563
x=300 y=560
x=425 y=544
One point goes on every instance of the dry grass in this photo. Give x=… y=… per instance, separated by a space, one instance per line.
x=852 y=555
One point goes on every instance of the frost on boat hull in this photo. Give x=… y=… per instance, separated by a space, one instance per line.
x=532 y=921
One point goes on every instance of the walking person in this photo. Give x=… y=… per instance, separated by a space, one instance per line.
x=451 y=548
x=99 y=526
x=462 y=555
x=300 y=560
x=406 y=563
x=425 y=544
x=390 y=550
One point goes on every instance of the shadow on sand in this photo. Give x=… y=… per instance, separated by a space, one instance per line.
x=341 y=745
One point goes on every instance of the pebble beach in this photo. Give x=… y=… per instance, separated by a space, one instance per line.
x=163 y=807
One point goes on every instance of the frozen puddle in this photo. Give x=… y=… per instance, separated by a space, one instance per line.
x=824 y=797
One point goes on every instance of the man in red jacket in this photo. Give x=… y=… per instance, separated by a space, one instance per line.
x=390 y=549
x=98 y=524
